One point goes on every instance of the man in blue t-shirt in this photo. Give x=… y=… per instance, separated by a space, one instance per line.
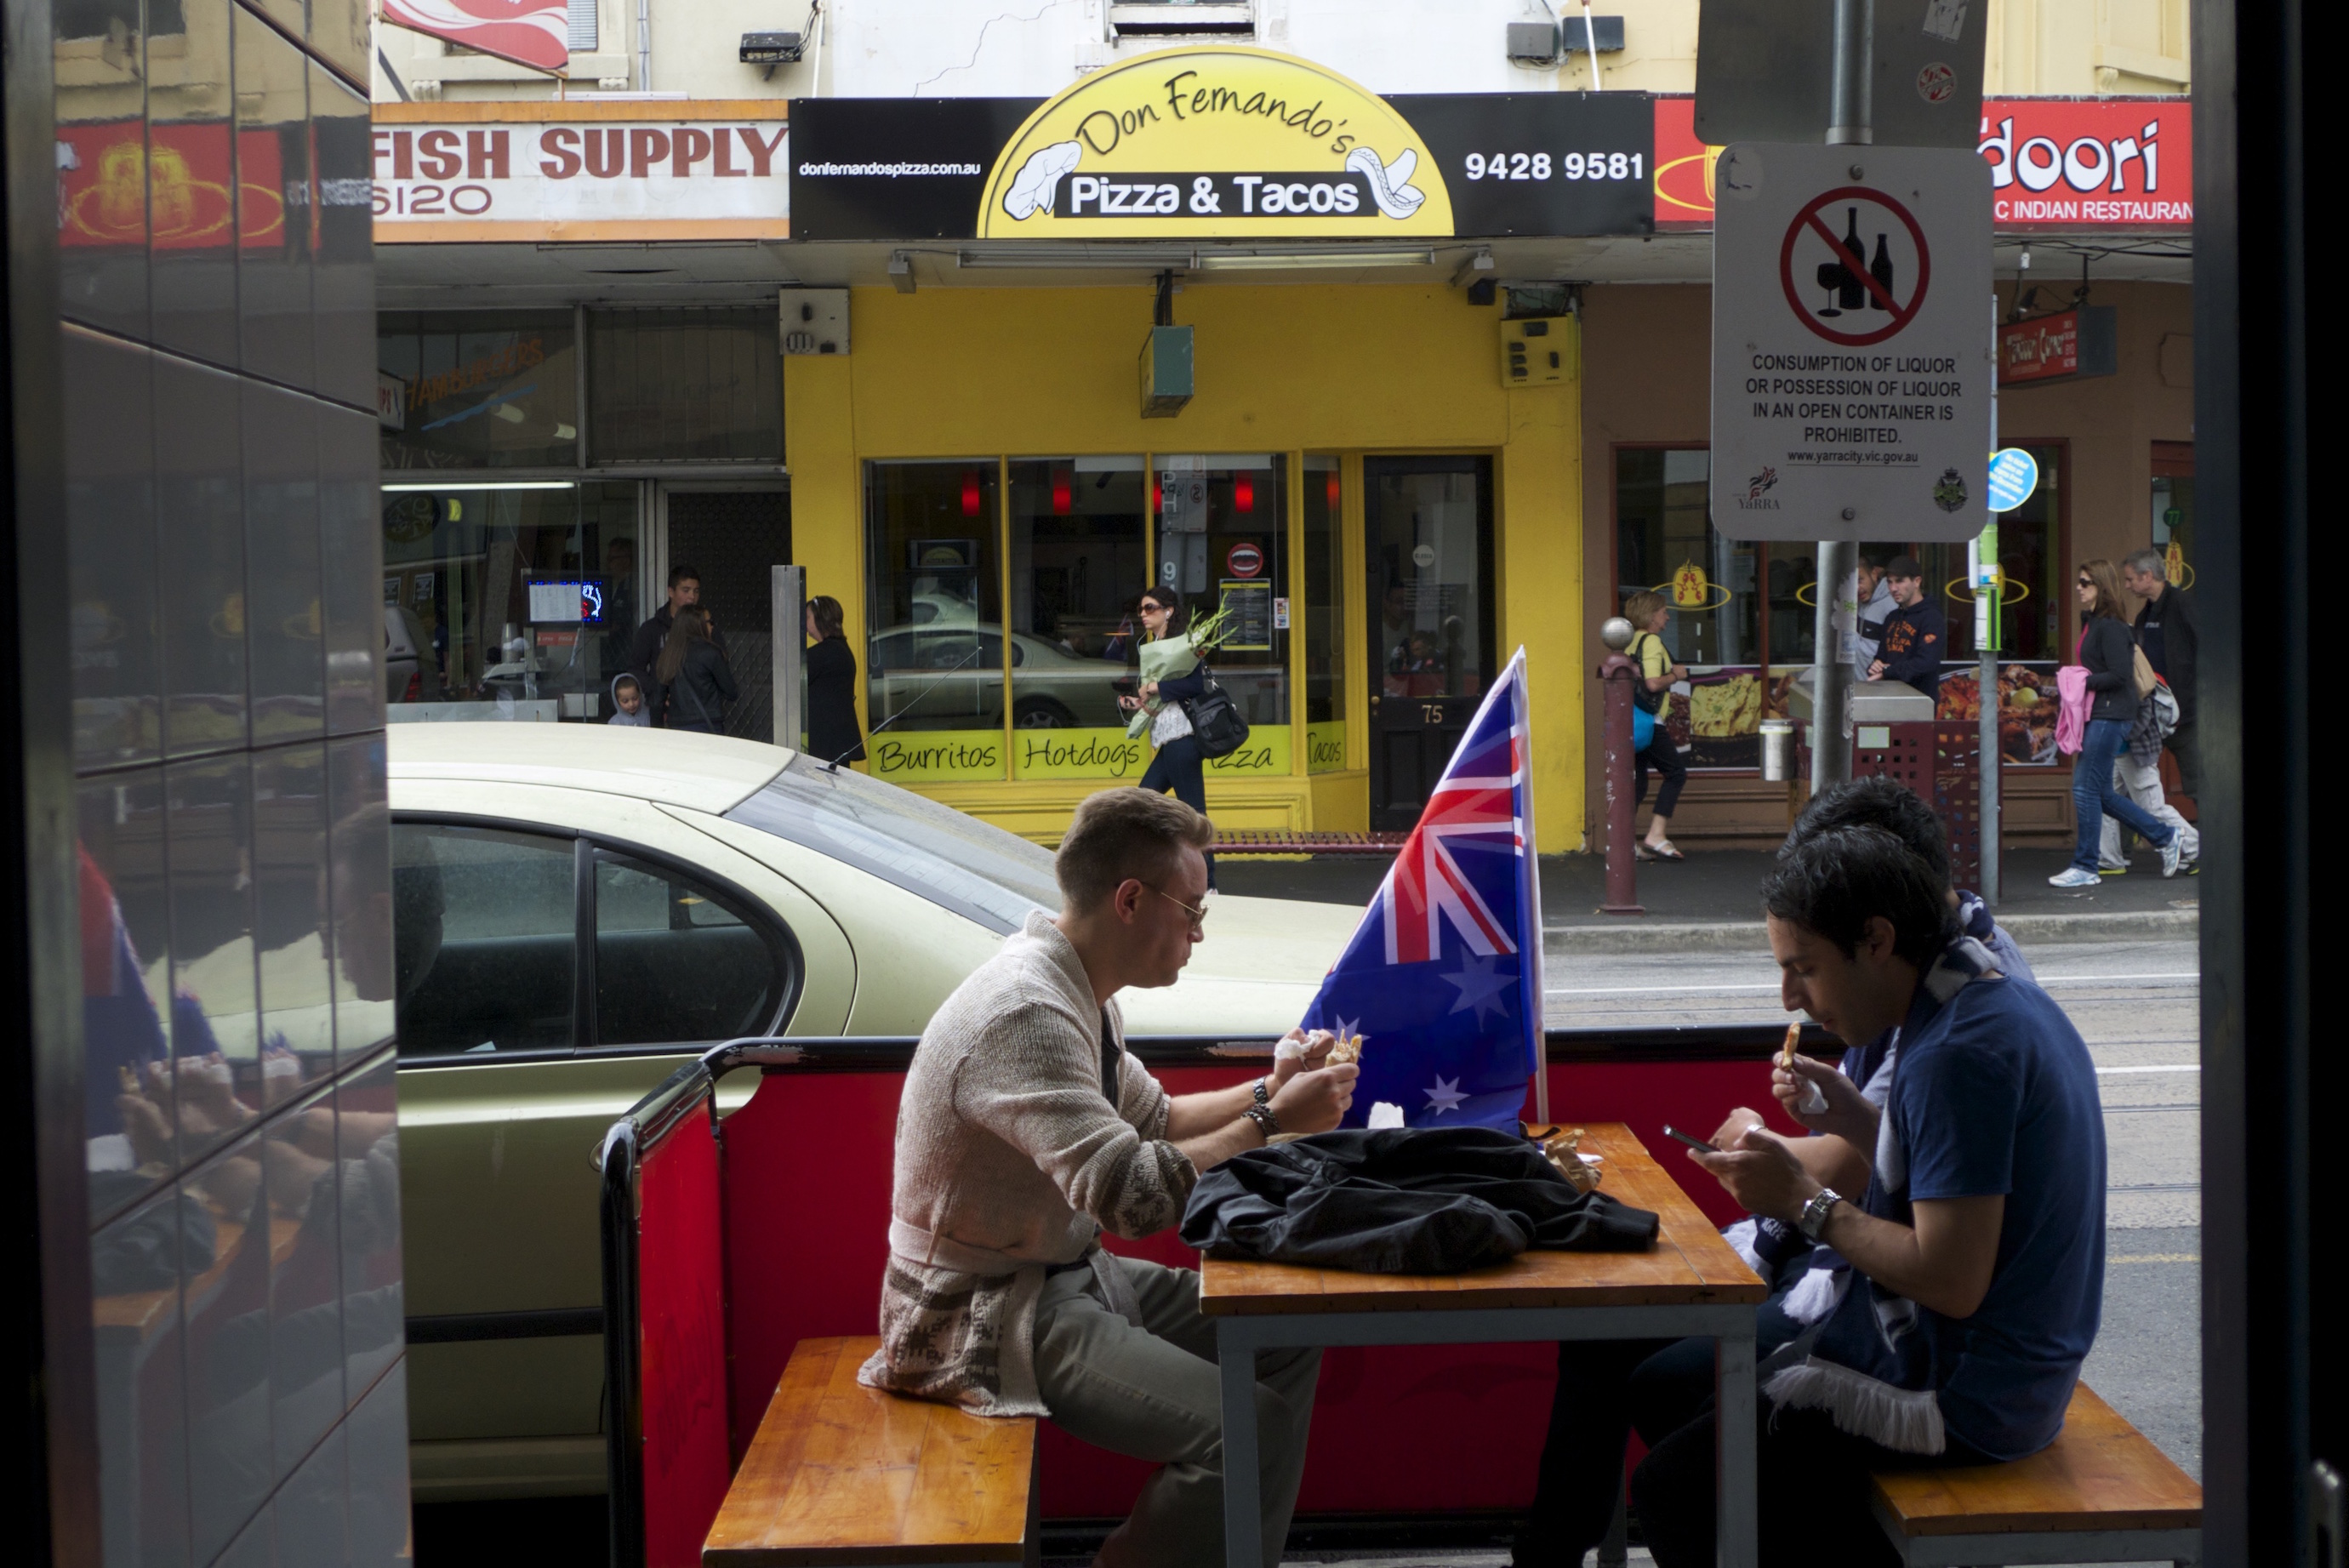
x=1976 y=1249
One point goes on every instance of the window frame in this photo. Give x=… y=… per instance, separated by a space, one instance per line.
x=781 y=943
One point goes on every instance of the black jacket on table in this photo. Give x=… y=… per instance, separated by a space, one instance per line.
x=1402 y=1201
x=697 y=698
x=2108 y=652
x=2166 y=631
x=1916 y=638
x=832 y=735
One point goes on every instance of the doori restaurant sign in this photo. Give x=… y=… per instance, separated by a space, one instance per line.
x=1222 y=142
x=2054 y=164
x=580 y=171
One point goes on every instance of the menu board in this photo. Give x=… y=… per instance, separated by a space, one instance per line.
x=2027 y=707
x=1249 y=605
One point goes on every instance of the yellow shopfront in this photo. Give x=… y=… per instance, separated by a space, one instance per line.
x=1385 y=519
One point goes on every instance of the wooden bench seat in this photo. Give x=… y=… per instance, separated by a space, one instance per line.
x=840 y=1473
x=1278 y=842
x=2099 y=1493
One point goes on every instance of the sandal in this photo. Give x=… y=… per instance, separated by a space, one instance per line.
x=1640 y=851
x=1663 y=852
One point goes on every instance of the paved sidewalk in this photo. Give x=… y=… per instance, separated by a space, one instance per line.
x=1708 y=901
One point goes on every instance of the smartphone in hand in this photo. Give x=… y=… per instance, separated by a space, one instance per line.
x=1698 y=1143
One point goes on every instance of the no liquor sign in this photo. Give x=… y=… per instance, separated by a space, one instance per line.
x=1852 y=361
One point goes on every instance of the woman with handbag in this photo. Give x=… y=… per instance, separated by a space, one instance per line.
x=1178 y=764
x=1651 y=743
x=693 y=683
x=2108 y=655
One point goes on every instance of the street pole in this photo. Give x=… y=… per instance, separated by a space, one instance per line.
x=1616 y=673
x=1851 y=119
x=787 y=615
x=1989 y=587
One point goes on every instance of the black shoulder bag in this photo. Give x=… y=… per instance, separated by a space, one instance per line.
x=1215 y=721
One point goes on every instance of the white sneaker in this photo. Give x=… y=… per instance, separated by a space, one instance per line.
x=2172 y=853
x=2073 y=876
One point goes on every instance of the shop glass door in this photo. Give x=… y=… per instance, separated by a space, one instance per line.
x=732 y=536
x=1428 y=526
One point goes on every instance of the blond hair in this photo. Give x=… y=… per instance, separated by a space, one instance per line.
x=1640 y=608
x=1123 y=834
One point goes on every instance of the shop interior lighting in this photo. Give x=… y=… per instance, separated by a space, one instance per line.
x=1334 y=488
x=1079 y=258
x=970 y=492
x=489 y=485
x=1062 y=498
x=1243 y=492
x=1268 y=261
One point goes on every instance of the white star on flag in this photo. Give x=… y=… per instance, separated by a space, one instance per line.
x=1445 y=1096
x=1480 y=986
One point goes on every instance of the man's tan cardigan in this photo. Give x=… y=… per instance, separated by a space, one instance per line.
x=1009 y=1160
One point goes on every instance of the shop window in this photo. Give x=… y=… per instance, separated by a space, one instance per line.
x=685 y=386
x=518 y=596
x=1223 y=539
x=1325 y=617
x=478 y=390
x=1665 y=542
x=1079 y=560
x=934 y=664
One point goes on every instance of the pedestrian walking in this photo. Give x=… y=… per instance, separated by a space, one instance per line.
x=2107 y=654
x=833 y=732
x=2138 y=772
x=1648 y=612
x=1915 y=635
x=2167 y=632
x=1176 y=763
x=690 y=678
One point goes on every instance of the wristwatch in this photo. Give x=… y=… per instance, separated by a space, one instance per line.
x=1265 y=1122
x=1263 y=1094
x=1814 y=1217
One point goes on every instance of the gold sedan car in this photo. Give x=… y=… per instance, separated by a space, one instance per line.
x=578 y=908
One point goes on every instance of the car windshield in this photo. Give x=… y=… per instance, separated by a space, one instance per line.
x=955 y=862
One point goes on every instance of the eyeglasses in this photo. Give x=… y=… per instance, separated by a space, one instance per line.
x=1198 y=916
x=2085 y=582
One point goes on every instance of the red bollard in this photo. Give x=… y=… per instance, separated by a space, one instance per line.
x=1615 y=678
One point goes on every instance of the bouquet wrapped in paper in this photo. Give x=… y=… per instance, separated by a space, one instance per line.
x=1169 y=657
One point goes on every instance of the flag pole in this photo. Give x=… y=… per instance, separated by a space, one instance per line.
x=1529 y=918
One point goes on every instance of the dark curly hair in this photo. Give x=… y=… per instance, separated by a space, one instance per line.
x=1834 y=883
x=1876 y=802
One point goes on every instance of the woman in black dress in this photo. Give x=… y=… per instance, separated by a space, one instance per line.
x=833 y=733
x=695 y=685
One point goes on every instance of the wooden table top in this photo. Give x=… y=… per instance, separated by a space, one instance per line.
x=1690 y=1265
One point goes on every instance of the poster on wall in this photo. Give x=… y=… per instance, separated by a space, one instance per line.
x=1223 y=142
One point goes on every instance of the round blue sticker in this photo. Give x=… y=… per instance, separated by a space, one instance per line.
x=2013 y=475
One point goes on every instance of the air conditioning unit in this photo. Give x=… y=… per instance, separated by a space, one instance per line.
x=1534 y=43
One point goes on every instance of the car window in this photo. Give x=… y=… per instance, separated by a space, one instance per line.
x=485 y=936
x=955 y=862
x=679 y=959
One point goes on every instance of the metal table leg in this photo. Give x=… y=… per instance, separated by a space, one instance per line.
x=1243 y=1516
x=1735 y=1545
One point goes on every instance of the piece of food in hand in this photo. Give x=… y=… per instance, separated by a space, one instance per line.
x=1813 y=1100
x=1347 y=1052
x=1562 y=1149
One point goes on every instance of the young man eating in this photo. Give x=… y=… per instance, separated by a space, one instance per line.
x=1026 y=1129
x=1976 y=1246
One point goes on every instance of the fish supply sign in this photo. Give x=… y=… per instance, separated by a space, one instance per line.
x=1852 y=362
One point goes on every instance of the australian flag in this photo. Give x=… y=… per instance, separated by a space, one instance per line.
x=1443 y=977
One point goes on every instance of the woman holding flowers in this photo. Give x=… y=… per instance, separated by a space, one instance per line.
x=1172 y=674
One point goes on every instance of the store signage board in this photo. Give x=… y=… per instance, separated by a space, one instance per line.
x=1851 y=391
x=1223 y=142
x=2055 y=164
x=2067 y=345
x=580 y=171
x=2013 y=475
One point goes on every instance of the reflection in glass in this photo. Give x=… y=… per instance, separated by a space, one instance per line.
x=486 y=939
x=284 y=583
x=142 y=1442
x=111 y=534
x=1325 y=616
x=677 y=961
x=293 y=915
x=480 y=390
x=219 y=1062
x=192 y=181
x=273 y=204
x=1223 y=539
x=366 y=1133
x=299 y=1157
x=200 y=487
x=1427 y=548
x=364 y=979
x=101 y=163
x=936 y=656
x=232 y=1465
x=378 y=1433
x=1078 y=564
x=130 y=1119
x=461 y=622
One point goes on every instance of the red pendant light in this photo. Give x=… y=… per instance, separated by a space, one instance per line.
x=970 y=492
x=1333 y=490
x=1243 y=492
x=1061 y=502
x=1157 y=495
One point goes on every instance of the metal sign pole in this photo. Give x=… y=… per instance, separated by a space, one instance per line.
x=788 y=596
x=1849 y=116
x=1990 y=585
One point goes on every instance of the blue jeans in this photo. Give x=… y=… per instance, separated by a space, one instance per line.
x=2094 y=796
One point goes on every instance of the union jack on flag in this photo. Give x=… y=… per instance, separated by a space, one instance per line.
x=1443 y=976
